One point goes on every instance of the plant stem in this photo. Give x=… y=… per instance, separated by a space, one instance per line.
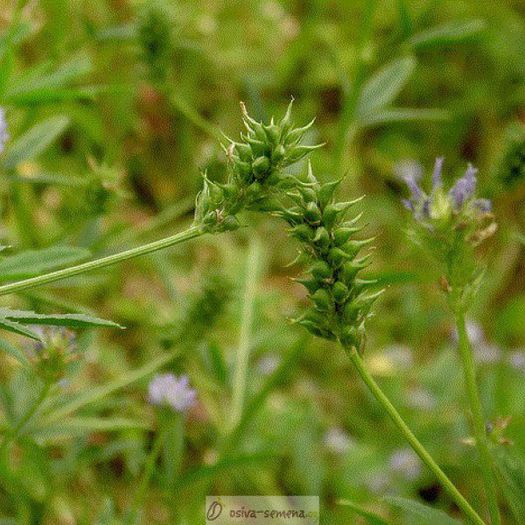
x=419 y=449
x=243 y=348
x=478 y=421
x=154 y=246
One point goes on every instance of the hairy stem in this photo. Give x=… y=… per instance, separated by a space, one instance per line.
x=97 y=264
x=478 y=422
x=418 y=448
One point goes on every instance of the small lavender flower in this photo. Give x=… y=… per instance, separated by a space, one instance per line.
x=4 y=135
x=167 y=389
x=475 y=333
x=437 y=175
x=487 y=353
x=421 y=399
x=516 y=360
x=405 y=462
x=268 y=364
x=337 y=440
x=464 y=188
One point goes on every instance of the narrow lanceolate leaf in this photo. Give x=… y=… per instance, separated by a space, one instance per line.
x=34 y=262
x=389 y=115
x=447 y=34
x=68 y=320
x=421 y=514
x=17 y=328
x=34 y=141
x=384 y=86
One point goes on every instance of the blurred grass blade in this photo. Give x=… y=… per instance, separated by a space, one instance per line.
x=420 y=514
x=34 y=262
x=387 y=116
x=73 y=69
x=369 y=517
x=510 y=471
x=36 y=140
x=384 y=86
x=13 y=351
x=208 y=472
x=97 y=393
x=450 y=33
x=79 y=426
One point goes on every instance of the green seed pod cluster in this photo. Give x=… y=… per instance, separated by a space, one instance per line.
x=341 y=299
x=256 y=172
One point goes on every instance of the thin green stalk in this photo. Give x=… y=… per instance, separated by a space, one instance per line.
x=243 y=348
x=100 y=392
x=478 y=421
x=419 y=449
x=97 y=264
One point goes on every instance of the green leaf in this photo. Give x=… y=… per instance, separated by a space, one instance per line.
x=34 y=262
x=370 y=518
x=69 y=320
x=34 y=141
x=78 y=426
x=387 y=116
x=13 y=351
x=59 y=78
x=421 y=514
x=450 y=33
x=510 y=471
x=384 y=86
x=17 y=328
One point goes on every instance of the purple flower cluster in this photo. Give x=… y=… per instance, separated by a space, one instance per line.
x=167 y=389
x=425 y=206
x=4 y=135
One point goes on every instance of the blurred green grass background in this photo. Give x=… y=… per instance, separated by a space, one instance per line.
x=146 y=86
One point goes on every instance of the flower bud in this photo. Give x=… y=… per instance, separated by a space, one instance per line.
x=260 y=166
x=303 y=232
x=272 y=133
x=322 y=237
x=312 y=213
x=321 y=270
x=244 y=151
x=321 y=299
x=349 y=337
x=337 y=257
x=340 y=292
x=278 y=153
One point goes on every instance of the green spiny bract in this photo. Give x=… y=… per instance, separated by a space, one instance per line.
x=256 y=172
x=340 y=300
